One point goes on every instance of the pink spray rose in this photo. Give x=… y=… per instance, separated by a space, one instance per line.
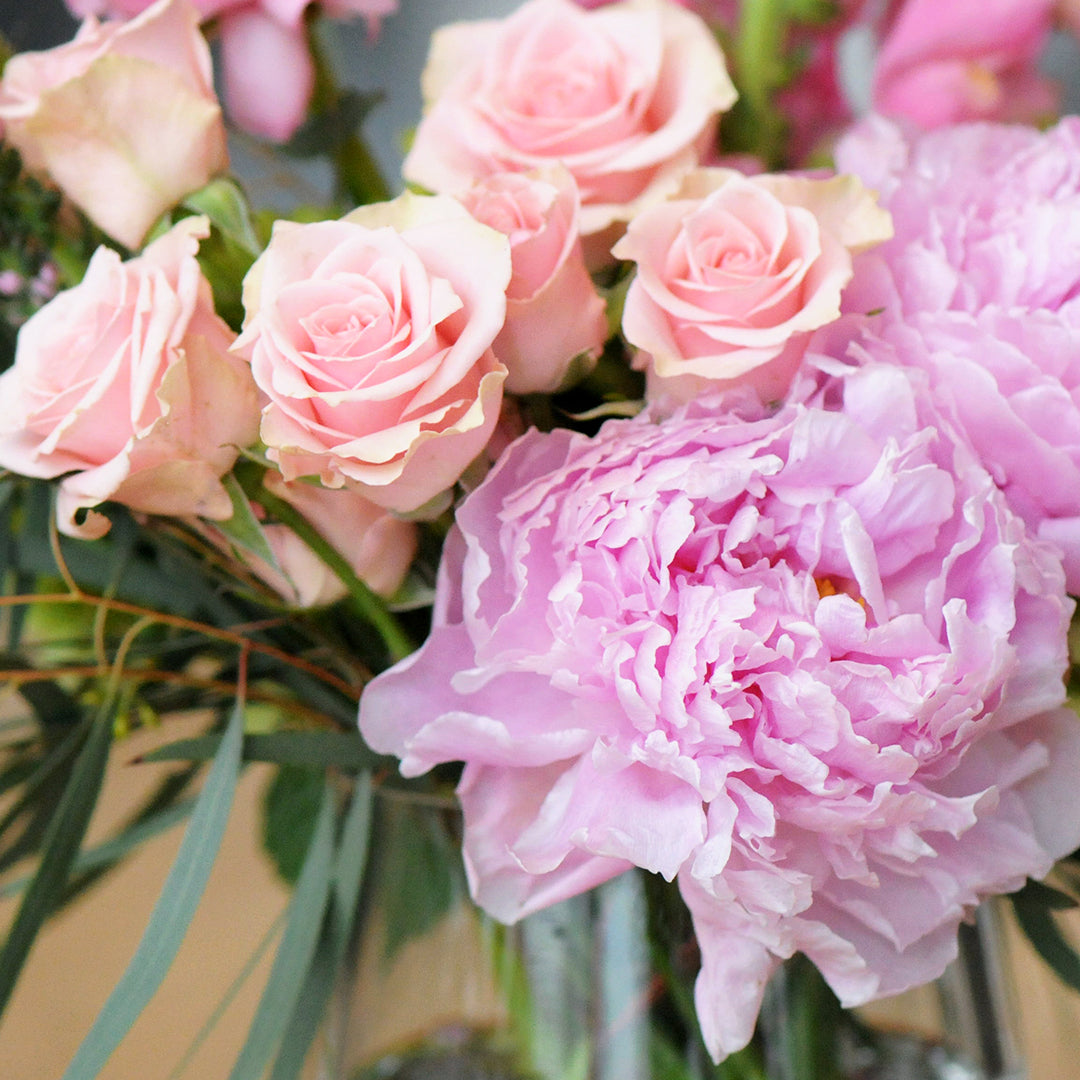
x=127 y=383
x=734 y=271
x=810 y=664
x=554 y=315
x=268 y=71
x=625 y=97
x=945 y=61
x=123 y=118
x=370 y=339
x=981 y=289
x=378 y=546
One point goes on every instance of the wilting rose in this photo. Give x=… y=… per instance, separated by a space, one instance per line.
x=943 y=63
x=625 y=97
x=810 y=665
x=735 y=271
x=554 y=315
x=370 y=338
x=123 y=118
x=267 y=67
x=127 y=383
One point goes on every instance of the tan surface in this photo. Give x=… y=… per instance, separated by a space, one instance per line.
x=82 y=953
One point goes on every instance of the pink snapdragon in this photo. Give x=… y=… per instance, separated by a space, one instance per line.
x=269 y=76
x=945 y=62
x=810 y=664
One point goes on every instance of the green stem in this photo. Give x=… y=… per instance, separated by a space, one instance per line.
x=369 y=606
x=759 y=59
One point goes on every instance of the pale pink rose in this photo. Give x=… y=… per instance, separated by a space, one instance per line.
x=268 y=71
x=378 y=546
x=946 y=62
x=734 y=272
x=554 y=315
x=370 y=338
x=127 y=383
x=123 y=118
x=625 y=97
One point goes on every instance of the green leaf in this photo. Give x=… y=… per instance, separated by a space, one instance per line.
x=290 y=804
x=296 y=950
x=59 y=848
x=224 y=204
x=334 y=941
x=113 y=850
x=173 y=912
x=1035 y=919
x=243 y=528
x=340 y=749
x=419 y=871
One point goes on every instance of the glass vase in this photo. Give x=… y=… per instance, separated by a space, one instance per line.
x=600 y=987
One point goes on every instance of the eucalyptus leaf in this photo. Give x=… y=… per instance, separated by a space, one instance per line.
x=334 y=940
x=173 y=912
x=1037 y=922
x=65 y=832
x=243 y=528
x=290 y=805
x=294 y=955
x=340 y=749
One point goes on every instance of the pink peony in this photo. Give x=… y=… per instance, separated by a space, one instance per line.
x=555 y=320
x=126 y=383
x=734 y=272
x=946 y=62
x=370 y=339
x=123 y=118
x=268 y=71
x=981 y=288
x=810 y=664
x=625 y=97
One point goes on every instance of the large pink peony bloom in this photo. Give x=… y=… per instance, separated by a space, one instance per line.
x=810 y=664
x=269 y=75
x=980 y=287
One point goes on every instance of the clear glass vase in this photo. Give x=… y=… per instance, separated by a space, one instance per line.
x=600 y=987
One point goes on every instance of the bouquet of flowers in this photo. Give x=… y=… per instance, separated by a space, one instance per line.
x=681 y=478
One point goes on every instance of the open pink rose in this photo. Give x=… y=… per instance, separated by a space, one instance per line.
x=811 y=666
x=124 y=118
x=554 y=315
x=735 y=271
x=625 y=97
x=127 y=383
x=946 y=62
x=370 y=338
x=268 y=71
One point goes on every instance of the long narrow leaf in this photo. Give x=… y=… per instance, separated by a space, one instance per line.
x=320 y=748
x=295 y=952
x=1038 y=925
x=60 y=846
x=334 y=941
x=172 y=913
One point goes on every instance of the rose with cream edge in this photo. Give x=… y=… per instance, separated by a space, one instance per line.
x=625 y=97
x=370 y=339
x=127 y=383
x=734 y=271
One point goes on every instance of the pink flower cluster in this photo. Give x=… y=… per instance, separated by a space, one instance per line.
x=810 y=665
x=980 y=288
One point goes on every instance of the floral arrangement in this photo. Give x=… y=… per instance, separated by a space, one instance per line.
x=681 y=476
